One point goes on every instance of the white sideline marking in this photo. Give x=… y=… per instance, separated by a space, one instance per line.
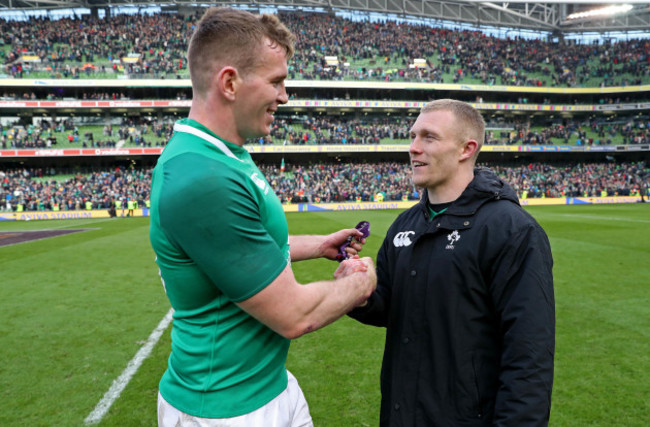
x=131 y=368
x=608 y=218
x=595 y=217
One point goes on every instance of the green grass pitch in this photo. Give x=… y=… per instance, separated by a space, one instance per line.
x=75 y=310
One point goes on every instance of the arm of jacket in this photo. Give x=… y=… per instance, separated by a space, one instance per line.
x=522 y=291
x=376 y=312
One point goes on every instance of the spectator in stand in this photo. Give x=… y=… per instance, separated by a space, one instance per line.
x=314 y=129
x=328 y=182
x=38 y=192
x=451 y=56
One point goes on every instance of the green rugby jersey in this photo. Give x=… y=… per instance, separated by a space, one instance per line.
x=220 y=236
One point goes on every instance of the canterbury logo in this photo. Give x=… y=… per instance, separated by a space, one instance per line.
x=402 y=239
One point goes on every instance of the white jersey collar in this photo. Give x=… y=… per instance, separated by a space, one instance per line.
x=211 y=139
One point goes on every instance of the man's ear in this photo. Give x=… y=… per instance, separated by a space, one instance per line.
x=469 y=149
x=227 y=82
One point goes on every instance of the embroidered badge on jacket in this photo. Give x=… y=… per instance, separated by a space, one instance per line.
x=453 y=238
x=402 y=239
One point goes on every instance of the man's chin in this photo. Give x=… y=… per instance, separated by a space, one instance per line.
x=418 y=182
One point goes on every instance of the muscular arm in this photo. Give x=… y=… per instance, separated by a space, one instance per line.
x=311 y=247
x=222 y=233
x=292 y=309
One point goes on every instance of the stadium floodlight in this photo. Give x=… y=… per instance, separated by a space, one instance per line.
x=601 y=12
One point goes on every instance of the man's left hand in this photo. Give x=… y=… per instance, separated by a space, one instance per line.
x=331 y=244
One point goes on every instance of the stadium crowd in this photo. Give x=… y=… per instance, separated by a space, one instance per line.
x=590 y=132
x=341 y=130
x=537 y=180
x=311 y=129
x=39 y=190
x=46 y=190
x=154 y=45
x=133 y=132
x=337 y=130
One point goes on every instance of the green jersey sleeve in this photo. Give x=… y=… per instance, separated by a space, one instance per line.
x=212 y=214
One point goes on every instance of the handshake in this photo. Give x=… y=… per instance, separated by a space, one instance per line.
x=355 y=278
x=354 y=265
x=362 y=272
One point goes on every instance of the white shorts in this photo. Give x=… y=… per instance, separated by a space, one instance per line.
x=288 y=409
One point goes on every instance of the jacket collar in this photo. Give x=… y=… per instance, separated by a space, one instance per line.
x=486 y=186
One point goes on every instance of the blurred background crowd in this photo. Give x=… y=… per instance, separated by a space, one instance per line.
x=313 y=129
x=156 y=44
x=48 y=189
x=328 y=48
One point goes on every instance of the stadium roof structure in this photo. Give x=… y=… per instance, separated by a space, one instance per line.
x=552 y=16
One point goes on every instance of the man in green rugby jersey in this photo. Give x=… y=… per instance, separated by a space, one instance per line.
x=222 y=242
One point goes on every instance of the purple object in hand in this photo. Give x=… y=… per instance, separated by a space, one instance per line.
x=364 y=228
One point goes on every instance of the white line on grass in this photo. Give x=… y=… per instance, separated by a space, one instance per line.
x=131 y=368
x=594 y=217
x=89 y=221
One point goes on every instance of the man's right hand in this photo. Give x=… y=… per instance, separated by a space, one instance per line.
x=292 y=309
x=359 y=265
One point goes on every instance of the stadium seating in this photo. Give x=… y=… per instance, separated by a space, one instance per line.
x=533 y=93
x=329 y=47
x=47 y=190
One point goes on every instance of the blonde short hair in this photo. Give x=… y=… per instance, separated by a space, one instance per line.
x=469 y=121
x=226 y=36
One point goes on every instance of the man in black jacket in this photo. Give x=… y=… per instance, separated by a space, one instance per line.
x=465 y=290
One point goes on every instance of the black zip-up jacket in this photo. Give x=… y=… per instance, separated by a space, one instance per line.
x=467 y=300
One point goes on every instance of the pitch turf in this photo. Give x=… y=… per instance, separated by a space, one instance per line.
x=76 y=308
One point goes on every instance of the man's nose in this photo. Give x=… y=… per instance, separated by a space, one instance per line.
x=283 y=98
x=415 y=146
